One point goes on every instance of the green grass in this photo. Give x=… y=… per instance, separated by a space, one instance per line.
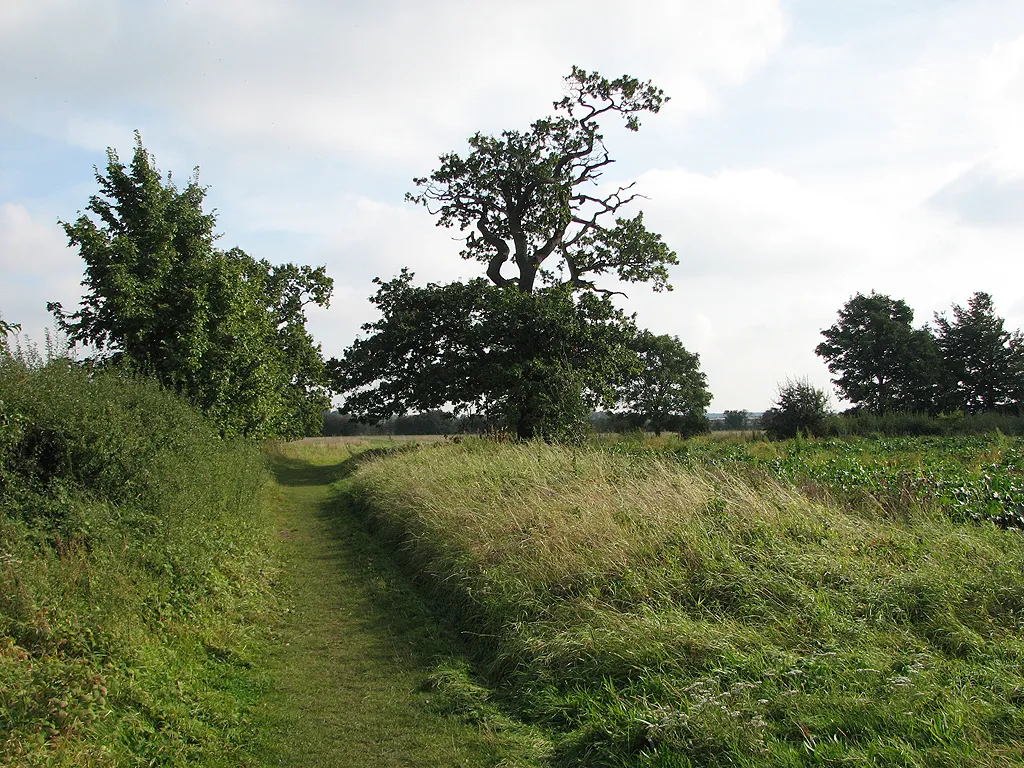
x=134 y=576
x=365 y=674
x=652 y=613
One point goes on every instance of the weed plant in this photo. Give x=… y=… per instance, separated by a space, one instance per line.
x=134 y=570
x=652 y=612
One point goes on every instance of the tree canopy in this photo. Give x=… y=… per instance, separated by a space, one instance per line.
x=669 y=391
x=736 y=420
x=983 y=362
x=7 y=328
x=799 y=408
x=530 y=199
x=537 y=343
x=537 y=362
x=881 y=361
x=968 y=362
x=220 y=327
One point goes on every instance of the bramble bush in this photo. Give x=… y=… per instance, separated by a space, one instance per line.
x=133 y=561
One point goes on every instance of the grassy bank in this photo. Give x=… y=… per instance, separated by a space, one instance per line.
x=651 y=613
x=134 y=575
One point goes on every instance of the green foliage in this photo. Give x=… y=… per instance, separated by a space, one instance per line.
x=967 y=479
x=799 y=408
x=736 y=420
x=883 y=363
x=134 y=570
x=969 y=363
x=6 y=329
x=984 y=363
x=660 y=613
x=220 y=327
x=670 y=391
x=896 y=424
x=520 y=350
x=527 y=196
x=538 y=362
x=435 y=422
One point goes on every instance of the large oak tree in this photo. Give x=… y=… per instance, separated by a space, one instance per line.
x=537 y=342
x=530 y=201
x=537 y=362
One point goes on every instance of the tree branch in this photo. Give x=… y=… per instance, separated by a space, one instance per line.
x=500 y=256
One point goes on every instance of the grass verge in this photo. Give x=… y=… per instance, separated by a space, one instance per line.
x=134 y=575
x=658 y=615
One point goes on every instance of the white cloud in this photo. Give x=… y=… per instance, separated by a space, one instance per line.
x=1000 y=107
x=767 y=259
x=393 y=80
x=803 y=157
x=37 y=267
x=965 y=94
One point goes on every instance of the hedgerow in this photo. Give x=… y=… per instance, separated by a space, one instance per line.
x=133 y=565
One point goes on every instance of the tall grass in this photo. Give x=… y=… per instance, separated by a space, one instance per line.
x=133 y=571
x=651 y=614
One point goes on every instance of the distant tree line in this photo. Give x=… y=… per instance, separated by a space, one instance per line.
x=966 y=361
x=434 y=422
x=961 y=374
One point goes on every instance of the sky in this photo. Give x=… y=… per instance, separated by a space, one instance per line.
x=812 y=149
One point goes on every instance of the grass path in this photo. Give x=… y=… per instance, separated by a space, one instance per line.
x=357 y=644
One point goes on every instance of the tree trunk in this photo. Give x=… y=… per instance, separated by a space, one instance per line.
x=527 y=277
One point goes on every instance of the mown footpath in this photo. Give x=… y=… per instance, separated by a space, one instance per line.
x=363 y=674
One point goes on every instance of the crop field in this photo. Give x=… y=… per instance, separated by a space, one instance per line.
x=733 y=603
x=966 y=478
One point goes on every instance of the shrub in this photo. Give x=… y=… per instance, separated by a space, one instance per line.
x=133 y=560
x=904 y=424
x=799 y=407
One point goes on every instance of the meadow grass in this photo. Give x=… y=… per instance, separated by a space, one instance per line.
x=650 y=613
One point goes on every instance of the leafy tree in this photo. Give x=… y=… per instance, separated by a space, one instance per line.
x=800 y=407
x=670 y=391
x=882 y=363
x=528 y=197
x=224 y=329
x=540 y=347
x=736 y=419
x=538 y=362
x=983 y=363
x=6 y=329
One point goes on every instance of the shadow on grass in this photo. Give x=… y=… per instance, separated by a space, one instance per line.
x=294 y=472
